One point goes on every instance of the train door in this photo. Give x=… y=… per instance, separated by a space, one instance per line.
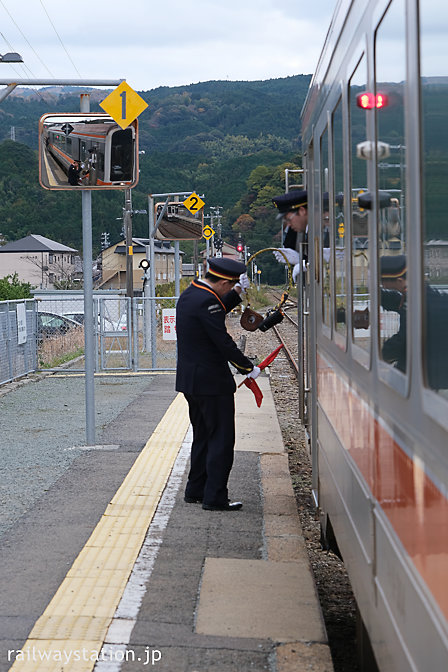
x=312 y=293
x=121 y=164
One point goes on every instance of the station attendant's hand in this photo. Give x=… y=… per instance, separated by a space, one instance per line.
x=243 y=283
x=291 y=255
x=254 y=373
x=296 y=270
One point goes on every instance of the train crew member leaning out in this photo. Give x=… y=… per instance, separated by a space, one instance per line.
x=204 y=377
x=293 y=209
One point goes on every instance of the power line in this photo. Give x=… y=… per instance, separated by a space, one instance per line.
x=24 y=37
x=60 y=40
x=24 y=67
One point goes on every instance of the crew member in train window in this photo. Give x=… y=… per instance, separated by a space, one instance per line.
x=293 y=209
x=203 y=375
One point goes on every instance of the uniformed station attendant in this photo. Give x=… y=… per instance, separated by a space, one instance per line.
x=203 y=375
x=293 y=209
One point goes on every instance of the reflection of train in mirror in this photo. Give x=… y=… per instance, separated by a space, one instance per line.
x=92 y=152
x=178 y=223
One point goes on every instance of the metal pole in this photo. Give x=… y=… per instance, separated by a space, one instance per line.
x=89 y=342
x=152 y=280
x=176 y=268
x=146 y=295
x=127 y=217
x=196 y=273
x=5 y=93
x=12 y=83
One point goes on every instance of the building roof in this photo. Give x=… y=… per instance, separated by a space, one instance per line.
x=35 y=243
x=139 y=244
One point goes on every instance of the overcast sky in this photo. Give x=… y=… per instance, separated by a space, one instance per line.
x=169 y=43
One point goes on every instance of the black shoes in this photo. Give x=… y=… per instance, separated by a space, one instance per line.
x=229 y=506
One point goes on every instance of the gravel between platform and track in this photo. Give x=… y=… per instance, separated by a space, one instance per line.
x=335 y=594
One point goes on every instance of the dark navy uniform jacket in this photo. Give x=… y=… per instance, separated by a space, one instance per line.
x=293 y=241
x=204 y=347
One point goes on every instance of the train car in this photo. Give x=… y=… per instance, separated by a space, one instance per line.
x=375 y=151
x=104 y=152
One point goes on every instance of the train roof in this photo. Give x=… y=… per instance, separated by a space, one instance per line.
x=87 y=128
x=333 y=36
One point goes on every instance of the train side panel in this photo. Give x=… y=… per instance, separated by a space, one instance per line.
x=376 y=158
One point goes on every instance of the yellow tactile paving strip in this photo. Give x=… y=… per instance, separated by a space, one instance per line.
x=74 y=625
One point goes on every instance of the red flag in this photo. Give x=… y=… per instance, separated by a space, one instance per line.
x=252 y=385
x=270 y=358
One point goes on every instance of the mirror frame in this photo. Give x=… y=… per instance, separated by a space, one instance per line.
x=56 y=158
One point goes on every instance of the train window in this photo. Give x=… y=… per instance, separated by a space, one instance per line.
x=359 y=216
x=340 y=283
x=325 y=233
x=434 y=96
x=390 y=74
x=87 y=151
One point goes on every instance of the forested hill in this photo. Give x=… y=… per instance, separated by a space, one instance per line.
x=207 y=137
x=182 y=118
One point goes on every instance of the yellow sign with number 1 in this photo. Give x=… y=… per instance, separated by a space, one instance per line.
x=124 y=105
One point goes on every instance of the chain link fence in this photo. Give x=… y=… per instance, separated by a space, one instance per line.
x=154 y=321
x=18 y=339
x=136 y=334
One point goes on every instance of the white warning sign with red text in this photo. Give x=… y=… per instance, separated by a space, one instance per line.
x=169 y=324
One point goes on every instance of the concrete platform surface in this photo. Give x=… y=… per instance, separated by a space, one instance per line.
x=111 y=570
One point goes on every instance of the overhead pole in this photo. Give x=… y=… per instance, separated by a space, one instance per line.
x=12 y=82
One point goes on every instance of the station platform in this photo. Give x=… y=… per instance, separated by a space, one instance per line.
x=111 y=570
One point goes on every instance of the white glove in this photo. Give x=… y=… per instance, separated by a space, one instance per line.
x=243 y=282
x=254 y=373
x=326 y=254
x=292 y=255
x=296 y=270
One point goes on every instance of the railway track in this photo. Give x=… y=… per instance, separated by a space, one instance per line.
x=286 y=332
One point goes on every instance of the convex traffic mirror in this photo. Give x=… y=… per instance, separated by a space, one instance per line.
x=178 y=223
x=87 y=151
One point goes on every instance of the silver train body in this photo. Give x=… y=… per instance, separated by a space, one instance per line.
x=375 y=152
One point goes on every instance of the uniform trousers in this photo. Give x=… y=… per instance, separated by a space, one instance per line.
x=213 y=421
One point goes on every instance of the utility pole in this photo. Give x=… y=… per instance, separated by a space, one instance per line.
x=215 y=211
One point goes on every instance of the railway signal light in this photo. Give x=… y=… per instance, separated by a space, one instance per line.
x=368 y=100
x=240 y=246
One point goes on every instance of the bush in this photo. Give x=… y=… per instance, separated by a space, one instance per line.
x=12 y=288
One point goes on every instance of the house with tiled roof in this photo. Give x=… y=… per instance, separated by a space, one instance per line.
x=38 y=260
